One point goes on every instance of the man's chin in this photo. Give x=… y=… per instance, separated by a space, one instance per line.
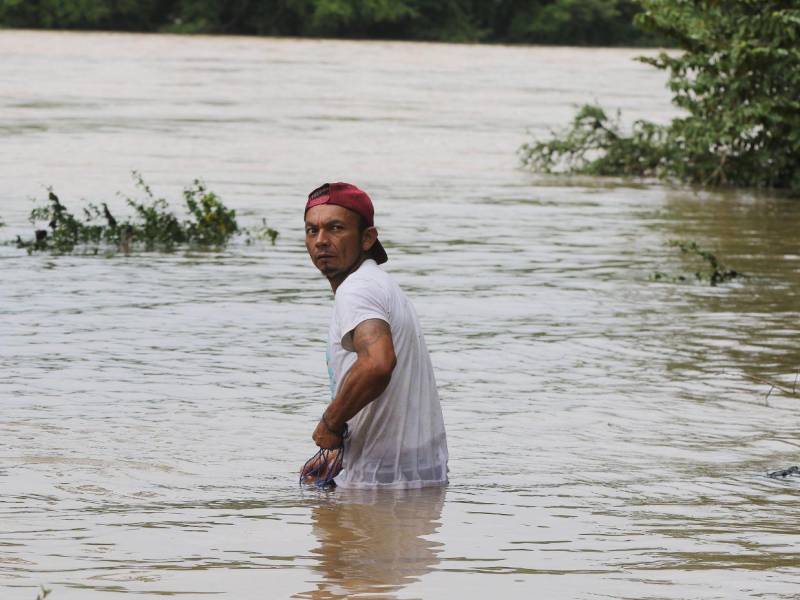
x=328 y=270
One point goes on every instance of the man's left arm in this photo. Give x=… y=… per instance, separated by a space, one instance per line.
x=366 y=380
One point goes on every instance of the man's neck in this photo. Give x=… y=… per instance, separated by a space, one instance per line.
x=339 y=279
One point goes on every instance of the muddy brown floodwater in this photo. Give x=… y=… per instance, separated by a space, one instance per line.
x=606 y=439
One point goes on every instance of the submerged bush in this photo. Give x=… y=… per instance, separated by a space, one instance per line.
x=212 y=224
x=594 y=144
x=262 y=232
x=738 y=79
x=43 y=593
x=709 y=270
x=152 y=226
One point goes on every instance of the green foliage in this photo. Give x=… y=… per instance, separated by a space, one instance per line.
x=339 y=17
x=594 y=144
x=152 y=226
x=262 y=232
x=66 y=231
x=213 y=224
x=738 y=79
x=132 y=15
x=392 y=19
x=588 y=22
x=709 y=269
x=533 y=21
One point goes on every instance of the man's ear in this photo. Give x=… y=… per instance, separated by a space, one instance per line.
x=368 y=238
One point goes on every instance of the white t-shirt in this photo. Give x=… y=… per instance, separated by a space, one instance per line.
x=398 y=439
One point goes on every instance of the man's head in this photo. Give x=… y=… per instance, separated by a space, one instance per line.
x=340 y=232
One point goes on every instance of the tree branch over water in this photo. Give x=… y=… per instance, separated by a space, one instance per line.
x=738 y=80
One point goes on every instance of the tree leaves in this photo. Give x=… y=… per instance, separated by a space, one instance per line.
x=153 y=226
x=737 y=78
x=607 y=22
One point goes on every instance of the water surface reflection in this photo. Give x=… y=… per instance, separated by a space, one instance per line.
x=373 y=541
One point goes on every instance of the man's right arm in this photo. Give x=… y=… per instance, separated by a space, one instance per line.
x=365 y=381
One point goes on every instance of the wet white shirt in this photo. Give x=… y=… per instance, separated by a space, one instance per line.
x=398 y=440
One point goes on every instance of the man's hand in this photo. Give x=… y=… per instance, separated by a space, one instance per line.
x=325 y=438
x=314 y=470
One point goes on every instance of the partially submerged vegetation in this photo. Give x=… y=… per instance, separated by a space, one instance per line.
x=783 y=473
x=43 y=593
x=709 y=269
x=151 y=226
x=595 y=144
x=793 y=391
x=738 y=81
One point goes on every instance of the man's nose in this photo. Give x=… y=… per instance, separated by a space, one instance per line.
x=321 y=239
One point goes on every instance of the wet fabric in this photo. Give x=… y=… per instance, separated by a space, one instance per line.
x=398 y=440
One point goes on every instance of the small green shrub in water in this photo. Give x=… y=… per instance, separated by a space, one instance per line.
x=738 y=81
x=65 y=231
x=712 y=270
x=153 y=226
x=262 y=232
x=153 y=223
x=212 y=224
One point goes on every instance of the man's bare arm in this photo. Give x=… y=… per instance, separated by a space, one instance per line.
x=365 y=381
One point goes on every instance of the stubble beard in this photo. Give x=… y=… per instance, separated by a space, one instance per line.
x=336 y=275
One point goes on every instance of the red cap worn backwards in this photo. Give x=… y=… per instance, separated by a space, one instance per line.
x=352 y=198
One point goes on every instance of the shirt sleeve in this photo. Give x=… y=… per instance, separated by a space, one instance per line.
x=357 y=303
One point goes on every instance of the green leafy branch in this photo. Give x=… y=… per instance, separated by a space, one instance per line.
x=711 y=271
x=594 y=144
x=152 y=226
x=737 y=79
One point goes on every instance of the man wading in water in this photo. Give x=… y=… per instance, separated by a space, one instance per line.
x=381 y=376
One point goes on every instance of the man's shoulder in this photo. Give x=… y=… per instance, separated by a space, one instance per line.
x=369 y=275
x=369 y=281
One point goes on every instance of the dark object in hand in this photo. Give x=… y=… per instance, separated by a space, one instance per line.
x=326 y=464
x=321 y=468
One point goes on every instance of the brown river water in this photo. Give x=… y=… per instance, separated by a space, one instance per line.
x=606 y=437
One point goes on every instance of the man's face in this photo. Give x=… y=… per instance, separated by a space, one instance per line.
x=333 y=240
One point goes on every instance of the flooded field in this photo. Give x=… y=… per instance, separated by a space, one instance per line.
x=607 y=438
